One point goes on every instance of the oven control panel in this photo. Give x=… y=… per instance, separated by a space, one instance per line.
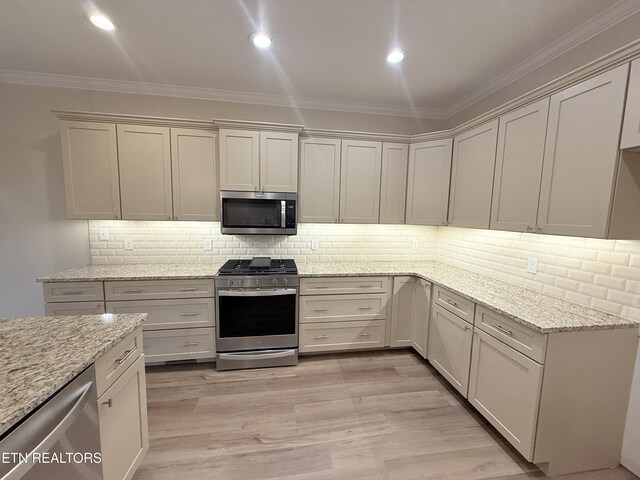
x=262 y=281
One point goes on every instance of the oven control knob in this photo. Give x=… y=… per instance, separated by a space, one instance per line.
x=229 y=282
x=257 y=282
x=274 y=281
x=240 y=282
x=285 y=281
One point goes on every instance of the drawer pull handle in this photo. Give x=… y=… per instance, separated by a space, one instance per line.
x=190 y=314
x=133 y=290
x=189 y=289
x=466 y=328
x=451 y=302
x=108 y=403
x=321 y=309
x=367 y=334
x=321 y=286
x=127 y=354
x=366 y=285
x=365 y=308
x=502 y=329
x=320 y=337
x=190 y=344
x=72 y=292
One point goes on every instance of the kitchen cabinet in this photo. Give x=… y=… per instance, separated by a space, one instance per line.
x=504 y=386
x=420 y=317
x=258 y=161
x=449 y=348
x=144 y=155
x=518 y=172
x=474 y=155
x=194 y=178
x=631 y=124
x=404 y=289
x=319 y=199
x=73 y=298
x=428 y=182
x=74 y=308
x=581 y=155
x=341 y=336
x=90 y=161
x=361 y=165
x=393 y=185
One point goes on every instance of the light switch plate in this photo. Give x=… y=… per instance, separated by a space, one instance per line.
x=103 y=234
x=128 y=244
x=208 y=244
x=532 y=264
x=415 y=244
x=315 y=244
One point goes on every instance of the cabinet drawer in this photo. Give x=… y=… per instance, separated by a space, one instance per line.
x=73 y=292
x=167 y=314
x=115 y=362
x=74 y=308
x=523 y=339
x=185 y=344
x=340 y=308
x=324 y=337
x=158 y=289
x=333 y=285
x=454 y=303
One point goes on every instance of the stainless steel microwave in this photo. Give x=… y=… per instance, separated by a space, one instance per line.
x=258 y=213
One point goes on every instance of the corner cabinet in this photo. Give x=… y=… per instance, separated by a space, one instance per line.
x=393 y=184
x=631 y=125
x=474 y=156
x=402 y=311
x=420 y=317
x=360 y=181
x=319 y=198
x=428 y=182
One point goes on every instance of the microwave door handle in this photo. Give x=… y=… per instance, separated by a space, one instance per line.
x=283 y=214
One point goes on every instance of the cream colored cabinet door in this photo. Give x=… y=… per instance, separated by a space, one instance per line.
x=194 y=178
x=360 y=181
x=474 y=157
x=278 y=162
x=122 y=415
x=449 y=348
x=402 y=311
x=504 y=386
x=239 y=160
x=420 y=317
x=319 y=197
x=428 y=182
x=631 y=124
x=516 y=183
x=90 y=161
x=393 y=185
x=145 y=172
x=580 y=156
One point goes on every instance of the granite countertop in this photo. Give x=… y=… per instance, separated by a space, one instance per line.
x=539 y=311
x=39 y=355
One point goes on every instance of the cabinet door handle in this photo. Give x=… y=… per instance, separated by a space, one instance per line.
x=529 y=228
x=320 y=309
x=366 y=334
x=466 y=328
x=189 y=289
x=108 y=403
x=451 y=302
x=538 y=229
x=127 y=354
x=502 y=329
x=190 y=314
x=365 y=308
x=190 y=344
x=320 y=337
x=133 y=290
x=72 y=292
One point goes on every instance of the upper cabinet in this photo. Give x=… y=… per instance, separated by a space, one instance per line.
x=194 y=176
x=144 y=155
x=474 y=156
x=581 y=155
x=518 y=172
x=360 y=181
x=428 y=182
x=393 y=185
x=319 y=198
x=90 y=160
x=631 y=128
x=258 y=161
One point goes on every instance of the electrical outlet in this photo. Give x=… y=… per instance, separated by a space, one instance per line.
x=315 y=244
x=415 y=244
x=128 y=244
x=532 y=264
x=103 y=234
x=208 y=244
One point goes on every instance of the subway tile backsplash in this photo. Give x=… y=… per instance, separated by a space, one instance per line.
x=603 y=274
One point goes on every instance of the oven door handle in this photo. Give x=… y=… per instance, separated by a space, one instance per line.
x=256 y=356
x=257 y=293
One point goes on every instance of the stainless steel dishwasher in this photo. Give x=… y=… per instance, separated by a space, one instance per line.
x=60 y=440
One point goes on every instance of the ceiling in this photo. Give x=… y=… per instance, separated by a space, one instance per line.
x=326 y=54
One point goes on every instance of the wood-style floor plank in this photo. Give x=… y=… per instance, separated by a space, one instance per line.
x=373 y=415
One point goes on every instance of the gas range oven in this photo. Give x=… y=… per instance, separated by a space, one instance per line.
x=256 y=313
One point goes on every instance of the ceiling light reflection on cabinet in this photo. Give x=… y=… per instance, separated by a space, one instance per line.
x=261 y=40
x=395 y=56
x=102 y=22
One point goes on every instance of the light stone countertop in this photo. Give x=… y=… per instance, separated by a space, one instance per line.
x=40 y=355
x=539 y=311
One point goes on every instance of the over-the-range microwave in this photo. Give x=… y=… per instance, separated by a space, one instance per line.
x=258 y=213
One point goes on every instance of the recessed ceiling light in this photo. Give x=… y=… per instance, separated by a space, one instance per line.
x=102 y=22
x=261 y=39
x=395 y=56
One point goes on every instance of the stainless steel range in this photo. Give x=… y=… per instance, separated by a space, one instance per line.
x=256 y=313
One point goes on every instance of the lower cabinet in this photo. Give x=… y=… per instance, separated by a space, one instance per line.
x=420 y=317
x=450 y=347
x=181 y=344
x=504 y=386
x=122 y=415
x=404 y=289
x=334 y=336
x=74 y=308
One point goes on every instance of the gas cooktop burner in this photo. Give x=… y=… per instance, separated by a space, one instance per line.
x=259 y=266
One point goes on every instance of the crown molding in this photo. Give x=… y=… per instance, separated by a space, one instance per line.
x=250 y=125
x=99 y=117
x=212 y=94
x=609 y=17
x=353 y=135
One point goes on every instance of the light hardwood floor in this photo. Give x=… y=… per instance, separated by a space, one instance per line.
x=374 y=416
